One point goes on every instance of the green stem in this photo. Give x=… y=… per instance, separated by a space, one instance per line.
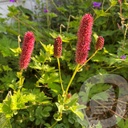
x=88 y=59
x=54 y=4
x=53 y=124
x=21 y=79
x=76 y=69
x=102 y=4
x=74 y=73
x=19 y=40
x=68 y=22
x=61 y=26
x=58 y=61
x=26 y=24
x=47 y=16
x=108 y=8
x=125 y=32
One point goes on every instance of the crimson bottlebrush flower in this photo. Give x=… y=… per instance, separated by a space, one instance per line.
x=84 y=38
x=27 y=48
x=99 y=43
x=58 y=47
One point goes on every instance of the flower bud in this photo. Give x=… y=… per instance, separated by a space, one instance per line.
x=69 y=95
x=99 y=43
x=58 y=47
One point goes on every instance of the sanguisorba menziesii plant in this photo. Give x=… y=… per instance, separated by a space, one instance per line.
x=83 y=43
x=81 y=58
x=27 y=49
x=57 y=54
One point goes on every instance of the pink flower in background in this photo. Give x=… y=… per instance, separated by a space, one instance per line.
x=45 y=10
x=12 y=0
x=84 y=38
x=96 y=4
x=99 y=43
x=123 y=57
x=27 y=49
x=58 y=47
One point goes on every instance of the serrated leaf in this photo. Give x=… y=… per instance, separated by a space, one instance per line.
x=52 y=15
x=16 y=51
x=101 y=96
x=113 y=2
x=77 y=112
x=6 y=107
x=48 y=48
x=100 y=13
x=5 y=45
x=4 y=122
x=99 y=125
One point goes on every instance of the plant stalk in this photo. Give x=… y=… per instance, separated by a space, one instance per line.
x=89 y=59
x=74 y=73
x=58 y=61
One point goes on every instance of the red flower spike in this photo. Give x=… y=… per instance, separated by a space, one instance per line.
x=58 y=47
x=84 y=38
x=99 y=43
x=27 y=49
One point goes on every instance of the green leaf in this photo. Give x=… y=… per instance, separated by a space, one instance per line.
x=4 y=122
x=9 y=80
x=55 y=87
x=48 y=48
x=12 y=11
x=52 y=15
x=101 y=96
x=16 y=51
x=18 y=101
x=31 y=97
x=62 y=9
x=65 y=37
x=100 y=13
x=46 y=111
x=6 y=107
x=5 y=45
x=121 y=123
x=108 y=32
x=2 y=28
x=99 y=125
x=60 y=107
x=113 y=2
x=77 y=112
x=35 y=96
